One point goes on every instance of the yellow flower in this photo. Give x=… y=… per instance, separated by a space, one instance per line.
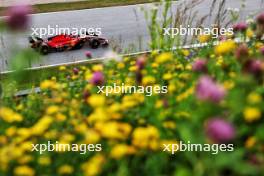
x=154 y=65
x=120 y=65
x=11 y=131
x=44 y=160
x=62 y=68
x=25 y=159
x=60 y=117
x=154 y=53
x=97 y=67
x=249 y=33
x=185 y=94
x=147 y=80
x=133 y=68
x=120 y=150
x=167 y=76
x=96 y=100
x=98 y=115
x=91 y=136
x=42 y=125
x=250 y=142
x=146 y=137
x=252 y=114
x=24 y=132
x=164 y=57
x=225 y=47
x=254 y=98
x=52 y=110
x=169 y=125
x=229 y=84
x=114 y=111
x=65 y=169
x=48 y=84
x=24 y=171
x=9 y=115
x=114 y=130
x=94 y=166
x=185 y=52
x=204 y=38
x=67 y=138
x=259 y=45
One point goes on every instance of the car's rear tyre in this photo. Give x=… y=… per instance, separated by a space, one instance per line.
x=95 y=43
x=44 y=49
x=105 y=44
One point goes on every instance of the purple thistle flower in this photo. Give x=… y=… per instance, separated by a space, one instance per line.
x=253 y=66
x=260 y=19
x=208 y=90
x=199 y=65
x=220 y=130
x=75 y=71
x=242 y=52
x=141 y=61
x=88 y=54
x=262 y=50
x=17 y=17
x=97 y=78
x=240 y=27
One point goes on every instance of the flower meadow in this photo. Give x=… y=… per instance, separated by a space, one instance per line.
x=215 y=96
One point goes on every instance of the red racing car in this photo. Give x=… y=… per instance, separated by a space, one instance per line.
x=65 y=42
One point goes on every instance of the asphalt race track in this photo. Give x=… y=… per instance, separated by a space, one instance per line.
x=124 y=26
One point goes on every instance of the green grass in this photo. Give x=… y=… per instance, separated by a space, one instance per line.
x=53 y=7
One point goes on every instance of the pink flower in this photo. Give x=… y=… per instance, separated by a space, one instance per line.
x=75 y=71
x=262 y=50
x=240 y=27
x=242 y=52
x=260 y=19
x=17 y=17
x=199 y=65
x=97 y=78
x=88 y=54
x=253 y=66
x=141 y=61
x=208 y=90
x=219 y=130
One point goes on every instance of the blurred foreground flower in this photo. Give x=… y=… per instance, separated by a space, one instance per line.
x=88 y=54
x=17 y=17
x=242 y=52
x=262 y=50
x=260 y=19
x=253 y=67
x=207 y=89
x=97 y=78
x=225 y=47
x=240 y=27
x=219 y=130
x=252 y=114
x=199 y=65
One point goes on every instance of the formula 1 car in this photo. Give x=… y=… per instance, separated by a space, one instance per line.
x=65 y=42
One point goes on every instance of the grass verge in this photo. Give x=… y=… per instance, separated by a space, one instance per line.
x=54 y=7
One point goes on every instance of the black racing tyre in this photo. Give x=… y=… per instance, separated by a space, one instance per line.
x=79 y=45
x=95 y=43
x=105 y=44
x=44 y=49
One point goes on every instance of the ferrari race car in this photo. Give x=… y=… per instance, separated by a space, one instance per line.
x=65 y=42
